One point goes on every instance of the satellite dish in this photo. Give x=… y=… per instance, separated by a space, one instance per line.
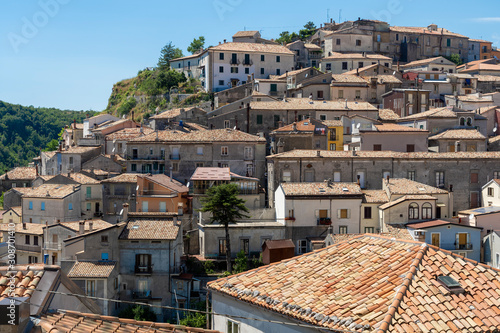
x=113 y=150
x=121 y=211
x=189 y=183
x=394 y=73
x=234 y=127
x=137 y=188
x=358 y=125
x=471 y=216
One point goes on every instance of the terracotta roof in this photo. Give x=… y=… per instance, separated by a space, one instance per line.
x=49 y=191
x=407 y=186
x=336 y=238
x=309 y=153
x=79 y=150
x=479 y=61
x=191 y=56
x=195 y=126
x=462 y=134
x=313 y=47
x=31 y=228
x=75 y=322
x=20 y=173
x=387 y=114
x=306 y=125
x=216 y=135
x=18 y=210
x=383 y=78
x=398 y=231
x=100 y=172
x=472 y=97
x=418 y=63
x=307 y=104
x=26 y=280
x=83 y=179
x=426 y=31
x=485 y=109
x=494 y=139
x=336 y=55
x=332 y=123
x=444 y=112
x=373 y=282
x=481 y=67
x=374 y=196
x=347 y=78
x=395 y=128
x=406 y=198
x=292 y=73
x=123 y=178
x=92 y=269
x=321 y=189
x=96 y=225
x=246 y=33
x=434 y=223
x=167 y=182
x=481 y=211
x=128 y=133
x=168 y=114
x=487 y=78
x=150 y=230
x=253 y=47
x=207 y=173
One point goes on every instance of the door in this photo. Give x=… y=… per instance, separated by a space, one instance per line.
x=438 y=212
x=97 y=207
x=361 y=175
x=462 y=240
x=145 y=206
x=436 y=239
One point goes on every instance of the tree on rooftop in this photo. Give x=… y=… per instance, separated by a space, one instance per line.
x=455 y=58
x=168 y=53
x=196 y=45
x=226 y=207
x=287 y=37
x=308 y=31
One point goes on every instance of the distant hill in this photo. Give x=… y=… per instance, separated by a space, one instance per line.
x=150 y=90
x=24 y=130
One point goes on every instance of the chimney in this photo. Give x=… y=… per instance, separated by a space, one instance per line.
x=224 y=41
x=74 y=123
x=219 y=43
x=175 y=219
x=132 y=116
x=180 y=210
x=318 y=153
x=91 y=225
x=358 y=181
x=81 y=227
x=451 y=188
x=125 y=212
x=294 y=126
x=36 y=171
x=171 y=173
x=24 y=226
x=388 y=177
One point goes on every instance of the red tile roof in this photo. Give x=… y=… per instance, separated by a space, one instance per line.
x=321 y=189
x=374 y=283
x=206 y=173
x=150 y=230
x=92 y=269
x=20 y=173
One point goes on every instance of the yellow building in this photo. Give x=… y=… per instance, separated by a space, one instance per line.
x=335 y=137
x=12 y=215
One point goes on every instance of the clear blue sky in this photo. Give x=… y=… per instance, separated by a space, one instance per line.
x=68 y=56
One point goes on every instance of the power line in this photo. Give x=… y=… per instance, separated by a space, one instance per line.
x=186 y=310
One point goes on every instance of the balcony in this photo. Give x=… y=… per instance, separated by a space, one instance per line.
x=324 y=221
x=175 y=157
x=52 y=246
x=315 y=55
x=144 y=270
x=141 y=294
x=146 y=158
x=457 y=247
x=273 y=93
x=466 y=246
x=467 y=85
x=29 y=248
x=234 y=62
x=247 y=62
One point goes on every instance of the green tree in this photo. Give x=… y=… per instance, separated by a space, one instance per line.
x=52 y=145
x=167 y=54
x=310 y=26
x=226 y=207
x=138 y=312
x=196 y=45
x=455 y=58
x=287 y=37
x=1 y=201
x=241 y=262
x=308 y=31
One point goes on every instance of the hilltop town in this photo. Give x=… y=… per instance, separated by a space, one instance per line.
x=367 y=156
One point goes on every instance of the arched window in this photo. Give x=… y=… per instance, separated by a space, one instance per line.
x=469 y=121
x=427 y=211
x=462 y=121
x=413 y=211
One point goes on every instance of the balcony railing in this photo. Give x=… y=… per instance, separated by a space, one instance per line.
x=457 y=247
x=315 y=55
x=146 y=158
x=175 y=157
x=234 y=62
x=143 y=269
x=273 y=93
x=29 y=248
x=141 y=294
x=247 y=63
x=324 y=221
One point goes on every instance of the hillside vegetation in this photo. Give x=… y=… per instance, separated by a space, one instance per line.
x=24 y=130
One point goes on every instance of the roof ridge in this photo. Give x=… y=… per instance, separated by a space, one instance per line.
x=398 y=298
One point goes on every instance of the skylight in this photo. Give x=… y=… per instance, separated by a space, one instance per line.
x=135 y=227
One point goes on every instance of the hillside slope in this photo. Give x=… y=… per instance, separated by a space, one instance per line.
x=24 y=130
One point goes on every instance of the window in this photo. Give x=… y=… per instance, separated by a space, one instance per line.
x=90 y=288
x=32 y=260
x=223 y=151
x=199 y=150
x=249 y=170
x=328 y=67
x=413 y=211
x=175 y=166
x=448 y=42
x=360 y=64
x=341 y=94
x=143 y=263
x=287 y=176
x=234 y=69
x=30 y=205
x=247 y=70
x=320 y=95
x=27 y=239
x=440 y=179
x=262 y=71
x=358 y=94
x=471 y=147
x=133 y=167
x=89 y=192
x=233 y=327
x=278 y=59
x=278 y=71
x=221 y=69
x=368 y=213
x=89 y=206
x=35 y=240
x=245 y=245
x=322 y=117
x=496 y=174
x=222 y=246
x=344 y=65
x=104 y=238
x=411 y=175
x=104 y=256
x=410 y=148
x=378 y=38
x=309 y=176
x=342 y=229
x=199 y=164
x=302 y=246
x=377 y=147
x=145 y=206
x=474 y=199
x=221 y=56
x=337 y=41
x=343 y=213
x=369 y=230
x=221 y=82
x=234 y=58
x=491 y=191
x=358 y=42
x=163 y=206
x=227 y=123
x=70 y=206
x=42 y=206
x=248 y=153
x=397 y=36
x=259 y=119
x=474 y=177
x=436 y=239
x=427 y=211
x=262 y=57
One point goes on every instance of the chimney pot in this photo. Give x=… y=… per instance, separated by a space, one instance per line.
x=388 y=177
x=125 y=212
x=91 y=225
x=24 y=225
x=359 y=179
x=451 y=188
x=224 y=41
x=81 y=227
x=318 y=153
